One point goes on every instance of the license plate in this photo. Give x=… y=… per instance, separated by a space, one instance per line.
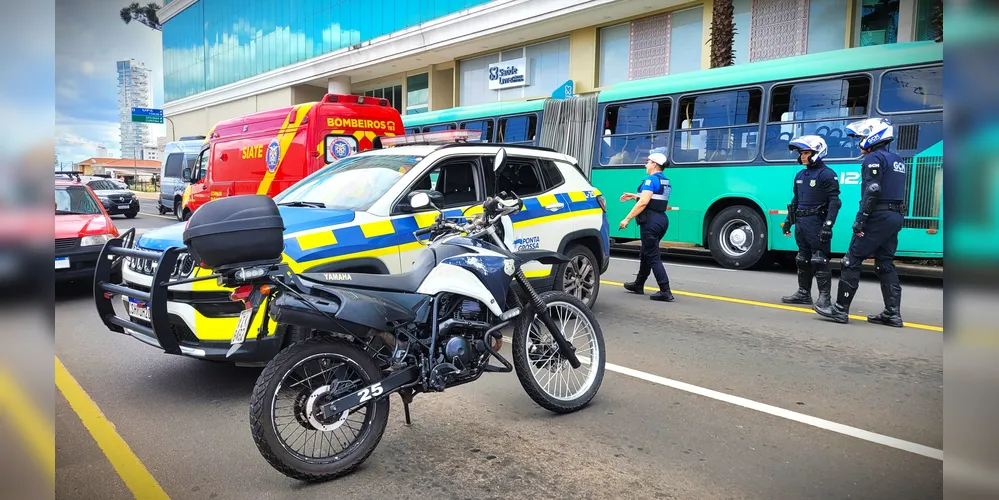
x=138 y=309
x=62 y=263
x=122 y=207
x=242 y=326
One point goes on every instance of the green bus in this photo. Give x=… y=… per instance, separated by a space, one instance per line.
x=730 y=188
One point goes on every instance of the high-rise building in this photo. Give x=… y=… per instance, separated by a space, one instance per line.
x=135 y=90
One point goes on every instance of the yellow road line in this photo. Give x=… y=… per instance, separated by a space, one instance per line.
x=769 y=305
x=28 y=420
x=138 y=479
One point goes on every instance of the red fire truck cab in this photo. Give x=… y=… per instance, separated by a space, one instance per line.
x=266 y=152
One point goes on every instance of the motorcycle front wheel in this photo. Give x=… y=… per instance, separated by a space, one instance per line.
x=544 y=374
x=287 y=425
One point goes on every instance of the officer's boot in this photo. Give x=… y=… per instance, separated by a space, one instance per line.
x=664 y=294
x=824 y=281
x=637 y=286
x=804 y=293
x=840 y=311
x=892 y=315
x=823 y=278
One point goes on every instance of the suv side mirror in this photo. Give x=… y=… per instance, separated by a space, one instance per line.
x=422 y=198
x=185 y=175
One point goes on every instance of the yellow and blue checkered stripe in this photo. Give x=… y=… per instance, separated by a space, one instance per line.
x=387 y=237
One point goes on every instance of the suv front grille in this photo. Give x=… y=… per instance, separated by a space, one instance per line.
x=183 y=268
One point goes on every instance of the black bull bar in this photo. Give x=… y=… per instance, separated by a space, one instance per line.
x=113 y=257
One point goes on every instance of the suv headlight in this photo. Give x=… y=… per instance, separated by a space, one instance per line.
x=99 y=239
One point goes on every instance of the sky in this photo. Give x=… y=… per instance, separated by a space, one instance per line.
x=90 y=38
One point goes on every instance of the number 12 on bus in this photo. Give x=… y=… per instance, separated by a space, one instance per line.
x=726 y=132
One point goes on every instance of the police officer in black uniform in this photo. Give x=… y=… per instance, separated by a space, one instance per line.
x=650 y=214
x=878 y=223
x=813 y=211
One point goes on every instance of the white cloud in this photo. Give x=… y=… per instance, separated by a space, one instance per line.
x=90 y=39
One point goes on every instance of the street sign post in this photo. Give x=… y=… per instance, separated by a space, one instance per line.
x=147 y=115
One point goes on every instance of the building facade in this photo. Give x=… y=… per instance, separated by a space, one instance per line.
x=134 y=90
x=224 y=59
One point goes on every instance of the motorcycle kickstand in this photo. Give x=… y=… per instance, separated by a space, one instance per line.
x=407 y=397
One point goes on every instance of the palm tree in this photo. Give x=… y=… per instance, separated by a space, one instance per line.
x=145 y=14
x=722 y=34
x=937 y=21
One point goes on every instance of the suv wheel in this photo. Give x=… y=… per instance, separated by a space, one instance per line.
x=580 y=277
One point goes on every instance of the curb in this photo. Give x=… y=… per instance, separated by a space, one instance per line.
x=146 y=196
x=907 y=270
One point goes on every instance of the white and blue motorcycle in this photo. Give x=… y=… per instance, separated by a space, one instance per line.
x=369 y=336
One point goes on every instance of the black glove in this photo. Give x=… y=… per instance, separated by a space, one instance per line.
x=786 y=226
x=858 y=225
x=826 y=234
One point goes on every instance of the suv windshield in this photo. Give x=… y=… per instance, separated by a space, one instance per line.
x=104 y=186
x=75 y=200
x=354 y=183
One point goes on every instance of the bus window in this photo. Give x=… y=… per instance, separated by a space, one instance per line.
x=822 y=108
x=908 y=90
x=439 y=128
x=631 y=130
x=486 y=126
x=517 y=129
x=718 y=127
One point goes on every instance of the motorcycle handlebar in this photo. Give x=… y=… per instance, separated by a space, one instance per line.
x=493 y=211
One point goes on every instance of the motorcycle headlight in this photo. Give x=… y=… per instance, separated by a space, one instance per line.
x=99 y=239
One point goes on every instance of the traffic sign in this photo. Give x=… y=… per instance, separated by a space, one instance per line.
x=147 y=115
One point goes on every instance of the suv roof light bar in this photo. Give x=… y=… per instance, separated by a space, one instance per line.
x=443 y=137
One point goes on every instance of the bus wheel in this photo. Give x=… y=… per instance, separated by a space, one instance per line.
x=737 y=237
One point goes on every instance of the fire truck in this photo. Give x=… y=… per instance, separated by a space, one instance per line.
x=266 y=152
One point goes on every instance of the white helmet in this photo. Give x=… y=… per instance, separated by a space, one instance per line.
x=872 y=131
x=813 y=143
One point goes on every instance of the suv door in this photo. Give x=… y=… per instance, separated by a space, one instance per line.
x=545 y=219
x=460 y=180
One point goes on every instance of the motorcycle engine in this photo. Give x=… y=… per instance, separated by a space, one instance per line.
x=458 y=351
x=470 y=310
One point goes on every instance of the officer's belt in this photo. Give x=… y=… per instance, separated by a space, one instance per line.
x=892 y=206
x=821 y=210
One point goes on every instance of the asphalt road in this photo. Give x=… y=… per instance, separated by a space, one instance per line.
x=814 y=392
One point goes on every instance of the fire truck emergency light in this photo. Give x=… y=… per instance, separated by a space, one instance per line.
x=443 y=137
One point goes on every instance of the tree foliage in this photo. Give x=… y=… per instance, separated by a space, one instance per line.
x=936 y=23
x=722 y=34
x=144 y=14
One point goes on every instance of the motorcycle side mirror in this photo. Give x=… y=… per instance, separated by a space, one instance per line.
x=499 y=163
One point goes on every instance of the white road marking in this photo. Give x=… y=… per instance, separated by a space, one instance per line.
x=846 y=430
x=671 y=264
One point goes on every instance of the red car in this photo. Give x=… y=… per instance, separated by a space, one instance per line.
x=82 y=226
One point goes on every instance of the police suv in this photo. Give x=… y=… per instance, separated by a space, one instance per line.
x=354 y=216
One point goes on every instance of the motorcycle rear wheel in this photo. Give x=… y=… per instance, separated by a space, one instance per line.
x=265 y=428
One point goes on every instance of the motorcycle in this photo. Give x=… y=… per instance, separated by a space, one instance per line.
x=369 y=336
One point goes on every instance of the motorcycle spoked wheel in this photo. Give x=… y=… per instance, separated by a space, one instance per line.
x=352 y=370
x=536 y=356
